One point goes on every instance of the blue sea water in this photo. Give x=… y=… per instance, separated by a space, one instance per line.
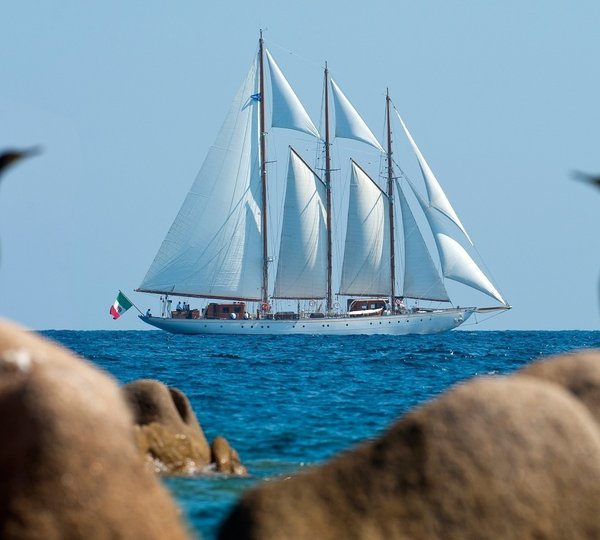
x=290 y=402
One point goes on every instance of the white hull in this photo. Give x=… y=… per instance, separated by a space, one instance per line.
x=427 y=322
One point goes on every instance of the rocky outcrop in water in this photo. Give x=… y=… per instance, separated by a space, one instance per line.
x=69 y=465
x=169 y=435
x=511 y=457
x=225 y=458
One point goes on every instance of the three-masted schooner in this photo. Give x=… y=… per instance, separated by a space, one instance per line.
x=218 y=247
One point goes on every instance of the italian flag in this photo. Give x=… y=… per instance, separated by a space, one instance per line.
x=121 y=305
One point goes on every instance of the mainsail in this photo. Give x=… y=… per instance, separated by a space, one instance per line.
x=213 y=248
x=366 y=265
x=302 y=263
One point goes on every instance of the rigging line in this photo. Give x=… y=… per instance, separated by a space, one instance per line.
x=478 y=321
x=383 y=155
x=295 y=54
x=402 y=173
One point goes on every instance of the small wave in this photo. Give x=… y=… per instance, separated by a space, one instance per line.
x=230 y=356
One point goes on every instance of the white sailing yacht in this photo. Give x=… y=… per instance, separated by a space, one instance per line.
x=218 y=248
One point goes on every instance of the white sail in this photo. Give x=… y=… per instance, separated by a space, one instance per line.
x=421 y=277
x=302 y=264
x=287 y=111
x=348 y=123
x=457 y=264
x=437 y=197
x=214 y=246
x=366 y=265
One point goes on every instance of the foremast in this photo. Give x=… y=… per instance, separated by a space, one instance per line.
x=263 y=176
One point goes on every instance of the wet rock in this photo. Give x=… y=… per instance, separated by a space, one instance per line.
x=578 y=372
x=509 y=458
x=166 y=427
x=69 y=466
x=226 y=458
x=169 y=434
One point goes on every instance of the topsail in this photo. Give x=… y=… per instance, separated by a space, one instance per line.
x=348 y=123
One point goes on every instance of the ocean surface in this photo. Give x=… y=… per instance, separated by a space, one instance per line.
x=286 y=403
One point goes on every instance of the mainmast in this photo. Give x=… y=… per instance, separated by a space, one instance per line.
x=390 y=192
x=328 y=187
x=263 y=173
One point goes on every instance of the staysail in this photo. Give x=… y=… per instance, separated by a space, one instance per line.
x=214 y=248
x=437 y=197
x=302 y=263
x=348 y=123
x=457 y=264
x=366 y=264
x=421 y=277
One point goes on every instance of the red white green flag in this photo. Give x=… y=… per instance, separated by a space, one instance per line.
x=121 y=305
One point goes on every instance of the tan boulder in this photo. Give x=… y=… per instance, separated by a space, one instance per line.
x=69 y=466
x=495 y=458
x=167 y=428
x=578 y=372
x=169 y=434
x=225 y=458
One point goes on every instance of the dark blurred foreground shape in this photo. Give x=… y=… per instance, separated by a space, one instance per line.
x=12 y=156
x=592 y=179
x=69 y=465
x=507 y=457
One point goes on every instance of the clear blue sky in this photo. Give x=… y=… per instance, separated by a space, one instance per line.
x=125 y=97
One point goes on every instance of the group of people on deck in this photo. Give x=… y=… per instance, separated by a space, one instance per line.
x=166 y=307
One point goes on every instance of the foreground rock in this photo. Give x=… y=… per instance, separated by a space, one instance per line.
x=69 y=466
x=168 y=432
x=578 y=372
x=514 y=457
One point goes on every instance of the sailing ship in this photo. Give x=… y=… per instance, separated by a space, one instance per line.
x=220 y=249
